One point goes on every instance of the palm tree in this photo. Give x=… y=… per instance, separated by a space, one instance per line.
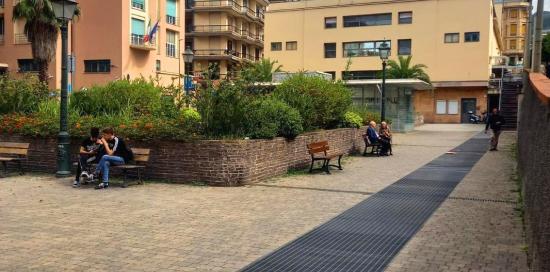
x=261 y=71
x=403 y=69
x=41 y=27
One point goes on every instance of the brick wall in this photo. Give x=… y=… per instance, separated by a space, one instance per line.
x=217 y=162
x=425 y=102
x=534 y=167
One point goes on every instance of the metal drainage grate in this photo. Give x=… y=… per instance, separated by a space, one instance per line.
x=368 y=236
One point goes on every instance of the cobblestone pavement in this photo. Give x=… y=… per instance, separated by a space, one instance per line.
x=45 y=225
x=476 y=228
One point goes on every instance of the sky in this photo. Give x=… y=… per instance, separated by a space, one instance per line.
x=546 y=5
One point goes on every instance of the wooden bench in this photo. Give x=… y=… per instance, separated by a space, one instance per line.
x=13 y=152
x=375 y=146
x=319 y=152
x=141 y=157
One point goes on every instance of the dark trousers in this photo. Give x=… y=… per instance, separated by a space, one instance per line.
x=385 y=146
x=82 y=165
x=494 y=139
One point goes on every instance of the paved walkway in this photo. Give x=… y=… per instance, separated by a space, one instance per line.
x=46 y=225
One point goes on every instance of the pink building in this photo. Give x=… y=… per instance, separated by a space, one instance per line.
x=108 y=42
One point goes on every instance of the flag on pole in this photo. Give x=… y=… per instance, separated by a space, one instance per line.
x=151 y=35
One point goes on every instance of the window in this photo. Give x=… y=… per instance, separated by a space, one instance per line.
x=513 y=29
x=276 y=46
x=512 y=44
x=332 y=74
x=405 y=17
x=330 y=22
x=363 y=49
x=330 y=50
x=1 y=26
x=452 y=37
x=171 y=40
x=441 y=107
x=523 y=29
x=27 y=65
x=471 y=37
x=97 y=66
x=365 y=74
x=171 y=12
x=291 y=46
x=157 y=65
x=138 y=4
x=404 y=47
x=524 y=13
x=138 y=31
x=367 y=20
x=452 y=107
x=513 y=13
x=522 y=44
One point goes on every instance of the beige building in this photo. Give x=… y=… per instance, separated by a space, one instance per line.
x=456 y=39
x=514 y=19
x=108 y=42
x=224 y=34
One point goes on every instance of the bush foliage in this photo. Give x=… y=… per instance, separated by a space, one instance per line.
x=21 y=95
x=270 y=117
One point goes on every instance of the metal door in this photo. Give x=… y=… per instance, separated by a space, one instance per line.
x=468 y=104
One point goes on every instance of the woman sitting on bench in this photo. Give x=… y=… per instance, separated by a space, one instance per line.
x=385 y=134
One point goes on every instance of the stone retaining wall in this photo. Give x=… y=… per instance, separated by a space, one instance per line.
x=217 y=162
x=534 y=166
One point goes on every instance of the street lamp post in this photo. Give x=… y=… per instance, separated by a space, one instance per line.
x=64 y=11
x=384 y=51
x=188 y=56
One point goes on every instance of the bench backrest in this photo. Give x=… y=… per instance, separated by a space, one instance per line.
x=318 y=147
x=141 y=154
x=10 y=148
x=367 y=140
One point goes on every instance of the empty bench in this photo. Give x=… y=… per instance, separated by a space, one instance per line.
x=319 y=152
x=13 y=153
x=141 y=157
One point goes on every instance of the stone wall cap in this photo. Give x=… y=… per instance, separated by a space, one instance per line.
x=541 y=86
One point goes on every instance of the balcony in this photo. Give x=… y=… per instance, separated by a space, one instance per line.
x=248 y=12
x=21 y=38
x=172 y=20
x=216 y=54
x=140 y=42
x=1 y=39
x=214 y=30
x=2 y=6
x=217 y=6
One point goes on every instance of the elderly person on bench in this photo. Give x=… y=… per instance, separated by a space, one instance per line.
x=375 y=138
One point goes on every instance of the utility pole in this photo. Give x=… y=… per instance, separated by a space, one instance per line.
x=537 y=46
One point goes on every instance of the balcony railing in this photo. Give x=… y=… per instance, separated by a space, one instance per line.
x=216 y=4
x=214 y=29
x=1 y=3
x=1 y=39
x=138 y=5
x=21 y=38
x=216 y=53
x=172 y=20
x=140 y=42
x=246 y=10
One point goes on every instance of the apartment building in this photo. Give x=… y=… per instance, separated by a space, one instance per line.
x=225 y=34
x=109 y=41
x=456 y=39
x=514 y=16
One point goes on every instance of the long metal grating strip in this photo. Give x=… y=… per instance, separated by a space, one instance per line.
x=367 y=236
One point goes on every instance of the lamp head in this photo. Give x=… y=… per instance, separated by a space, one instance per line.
x=64 y=9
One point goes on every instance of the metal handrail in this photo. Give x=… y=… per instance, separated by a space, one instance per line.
x=172 y=20
x=139 y=40
x=215 y=28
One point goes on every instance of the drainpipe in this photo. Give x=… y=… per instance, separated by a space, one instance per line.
x=537 y=47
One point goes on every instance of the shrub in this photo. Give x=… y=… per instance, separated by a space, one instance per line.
x=138 y=96
x=353 y=120
x=270 y=117
x=367 y=114
x=321 y=103
x=222 y=109
x=21 y=95
x=191 y=119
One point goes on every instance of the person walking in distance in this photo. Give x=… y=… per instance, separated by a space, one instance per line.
x=495 y=122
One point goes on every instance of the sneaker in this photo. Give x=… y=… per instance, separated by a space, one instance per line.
x=102 y=186
x=85 y=175
x=76 y=184
x=92 y=178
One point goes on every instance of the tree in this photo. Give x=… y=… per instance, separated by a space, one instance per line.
x=41 y=27
x=546 y=49
x=261 y=71
x=403 y=69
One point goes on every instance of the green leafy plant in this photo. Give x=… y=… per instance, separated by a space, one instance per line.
x=261 y=71
x=352 y=120
x=21 y=95
x=321 y=103
x=403 y=69
x=270 y=117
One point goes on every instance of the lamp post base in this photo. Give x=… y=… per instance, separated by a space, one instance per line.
x=63 y=155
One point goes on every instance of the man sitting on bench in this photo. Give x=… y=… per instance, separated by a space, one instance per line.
x=116 y=153
x=88 y=154
x=375 y=138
